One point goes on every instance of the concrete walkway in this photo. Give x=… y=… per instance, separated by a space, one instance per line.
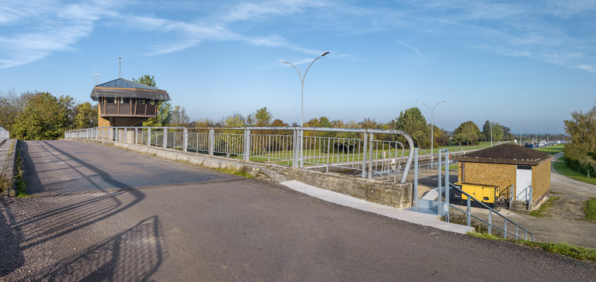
x=391 y=212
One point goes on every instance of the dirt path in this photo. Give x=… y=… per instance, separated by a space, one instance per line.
x=564 y=221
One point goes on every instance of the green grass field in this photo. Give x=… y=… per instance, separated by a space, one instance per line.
x=552 y=149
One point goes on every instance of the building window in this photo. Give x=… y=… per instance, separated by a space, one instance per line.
x=124 y=100
x=109 y=100
x=141 y=101
x=152 y=102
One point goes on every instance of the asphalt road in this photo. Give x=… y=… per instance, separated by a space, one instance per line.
x=98 y=217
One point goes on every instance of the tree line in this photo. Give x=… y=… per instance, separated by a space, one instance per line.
x=41 y=116
x=580 y=154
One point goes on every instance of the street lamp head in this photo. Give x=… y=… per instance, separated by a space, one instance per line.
x=282 y=61
x=324 y=54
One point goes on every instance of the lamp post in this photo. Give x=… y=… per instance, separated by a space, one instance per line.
x=491 y=127
x=432 y=127
x=302 y=98
x=302 y=82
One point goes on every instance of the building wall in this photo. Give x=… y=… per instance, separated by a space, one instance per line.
x=487 y=173
x=504 y=175
x=541 y=180
x=101 y=122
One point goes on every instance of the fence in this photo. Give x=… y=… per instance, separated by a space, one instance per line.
x=352 y=151
x=4 y=134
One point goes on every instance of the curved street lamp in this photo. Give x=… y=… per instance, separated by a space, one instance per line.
x=432 y=127
x=302 y=82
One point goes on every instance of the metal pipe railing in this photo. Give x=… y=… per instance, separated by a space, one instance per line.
x=299 y=147
x=490 y=224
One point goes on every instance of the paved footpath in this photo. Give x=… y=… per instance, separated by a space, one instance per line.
x=102 y=213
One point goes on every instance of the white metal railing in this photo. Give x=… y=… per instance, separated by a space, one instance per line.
x=352 y=151
x=526 y=194
x=4 y=134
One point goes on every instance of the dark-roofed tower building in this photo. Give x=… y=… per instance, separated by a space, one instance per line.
x=126 y=103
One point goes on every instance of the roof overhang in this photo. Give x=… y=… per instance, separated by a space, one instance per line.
x=114 y=92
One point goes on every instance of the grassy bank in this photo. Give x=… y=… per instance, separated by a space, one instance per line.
x=552 y=149
x=560 y=248
x=590 y=209
x=539 y=212
x=562 y=168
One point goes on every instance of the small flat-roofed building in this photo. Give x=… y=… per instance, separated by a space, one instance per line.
x=506 y=165
x=123 y=102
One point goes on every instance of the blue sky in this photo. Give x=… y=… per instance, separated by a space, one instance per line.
x=531 y=63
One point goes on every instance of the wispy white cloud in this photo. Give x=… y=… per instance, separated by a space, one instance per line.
x=408 y=46
x=54 y=27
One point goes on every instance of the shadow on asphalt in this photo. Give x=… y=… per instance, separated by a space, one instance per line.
x=132 y=255
x=33 y=222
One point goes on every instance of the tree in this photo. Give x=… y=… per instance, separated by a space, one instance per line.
x=263 y=117
x=164 y=115
x=467 y=133
x=440 y=136
x=44 y=117
x=497 y=131
x=148 y=80
x=412 y=122
x=235 y=120
x=85 y=115
x=179 y=117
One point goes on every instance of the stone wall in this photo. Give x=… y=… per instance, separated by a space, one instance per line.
x=8 y=159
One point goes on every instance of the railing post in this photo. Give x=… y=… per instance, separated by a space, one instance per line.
x=149 y=136
x=530 y=198
x=415 y=190
x=246 y=144
x=370 y=155
x=469 y=219
x=301 y=148
x=440 y=162
x=117 y=138
x=137 y=136
x=447 y=182
x=364 y=153
x=125 y=135
x=165 y=138
x=505 y=228
x=490 y=221
x=185 y=142
x=211 y=141
x=328 y=152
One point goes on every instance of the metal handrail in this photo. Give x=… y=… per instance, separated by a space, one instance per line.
x=529 y=191
x=367 y=158
x=489 y=222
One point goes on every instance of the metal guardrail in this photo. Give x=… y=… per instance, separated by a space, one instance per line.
x=490 y=224
x=4 y=134
x=354 y=151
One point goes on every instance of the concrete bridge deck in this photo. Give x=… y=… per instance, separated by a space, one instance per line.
x=104 y=213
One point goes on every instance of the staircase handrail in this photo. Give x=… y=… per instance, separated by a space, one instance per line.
x=490 y=212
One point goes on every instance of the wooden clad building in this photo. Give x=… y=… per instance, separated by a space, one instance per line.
x=126 y=103
x=506 y=165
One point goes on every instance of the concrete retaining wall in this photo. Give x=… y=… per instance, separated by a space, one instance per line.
x=386 y=193
x=8 y=159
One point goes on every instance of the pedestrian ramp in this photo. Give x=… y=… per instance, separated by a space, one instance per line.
x=424 y=219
